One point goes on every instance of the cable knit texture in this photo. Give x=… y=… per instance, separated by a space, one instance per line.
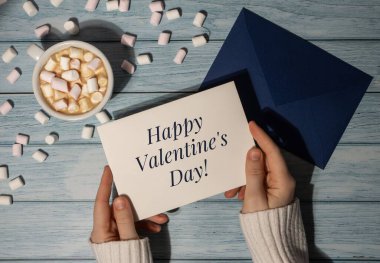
x=131 y=251
x=276 y=235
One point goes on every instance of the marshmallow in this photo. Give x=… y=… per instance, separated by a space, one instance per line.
x=35 y=52
x=50 y=65
x=173 y=14
x=75 y=63
x=155 y=19
x=88 y=56
x=84 y=92
x=6 y=107
x=84 y=105
x=51 y=138
x=91 y=5
x=102 y=81
x=88 y=132
x=76 y=52
x=16 y=183
x=47 y=90
x=112 y=5
x=128 y=40
x=6 y=199
x=71 y=27
x=59 y=84
x=22 y=139
x=58 y=95
x=164 y=38
x=60 y=104
x=199 y=19
x=75 y=91
x=73 y=106
x=103 y=117
x=156 y=6
x=4 y=172
x=94 y=64
x=143 y=59
x=92 y=85
x=29 y=8
x=47 y=76
x=41 y=117
x=42 y=31
x=9 y=54
x=70 y=75
x=96 y=97
x=17 y=150
x=128 y=66
x=64 y=63
x=13 y=76
x=199 y=40
x=180 y=56
x=40 y=156
x=56 y=3
x=124 y=5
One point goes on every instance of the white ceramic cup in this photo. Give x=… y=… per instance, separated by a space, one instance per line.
x=42 y=61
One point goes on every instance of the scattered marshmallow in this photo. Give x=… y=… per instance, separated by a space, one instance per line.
x=199 y=40
x=71 y=27
x=128 y=40
x=144 y=59
x=47 y=76
x=96 y=97
x=91 y=5
x=50 y=65
x=164 y=38
x=16 y=183
x=128 y=66
x=156 y=6
x=42 y=31
x=40 y=156
x=92 y=85
x=6 y=199
x=60 y=104
x=112 y=5
x=155 y=19
x=180 y=56
x=64 y=63
x=124 y=5
x=56 y=3
x=41 y=117
x=75 y=91
x=59 y=84
x=22 y=139
x=103 y=117
x=4 y=172
x=17 y=150
x=35 y=52
x=88 y=132
x=6 y=107
x=9 y=54
x=94 y=64
x=199 y=19
x=30 y=8
x=173 y=14
x=13 y=76
x=51 y=138
x=70 y=75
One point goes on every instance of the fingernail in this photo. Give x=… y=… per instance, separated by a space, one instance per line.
x=255 y=155
x=120 y=204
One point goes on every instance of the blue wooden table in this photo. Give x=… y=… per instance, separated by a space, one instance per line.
x=51 y=218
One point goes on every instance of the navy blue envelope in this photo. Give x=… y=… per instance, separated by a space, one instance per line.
x=301 y=95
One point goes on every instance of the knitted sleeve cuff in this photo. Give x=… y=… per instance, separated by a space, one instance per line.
x=131 y=251
x=276 y=235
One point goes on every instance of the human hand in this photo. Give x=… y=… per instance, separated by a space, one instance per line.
x=115 y=222
x=269 y=183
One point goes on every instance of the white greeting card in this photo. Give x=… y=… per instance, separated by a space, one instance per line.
x=179 y=152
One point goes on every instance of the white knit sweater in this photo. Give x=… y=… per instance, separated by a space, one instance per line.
x=275 y=235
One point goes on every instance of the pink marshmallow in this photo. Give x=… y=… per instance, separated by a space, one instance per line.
x=47 y=76
x=59 y=84
x=60 y=104
x=75 y=91
x=155 y=19
x=124 y=5
x=156 y=6
x=164 y=38
x=17 y=150
x=94 y=64
x=128 y=40
x=5 y=108
x=13 y=76
x=42 y=31
x=128 y=66
x=22 y=139
x=91 y=5
x=180 y=56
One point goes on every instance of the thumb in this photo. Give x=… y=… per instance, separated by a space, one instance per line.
x=255 y=198
x=123 y=214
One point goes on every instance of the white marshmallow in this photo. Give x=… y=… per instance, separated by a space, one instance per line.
x=199 y=40
x=5 y=108
x=96 y=97
x=40 y=156
x=128 y=66
x=88 y=56
x=17 y=150
x=41 y=117
x=50 y=65
x=13 y=76
x=71 y=27
x=29 y=8
x=84 y=105
x=64 y=63
x=103 y=117
x=92 y=85
x=3 y=172
x=88 y=132
x=94 y=64
x=73 y=106
x=6 y=199
x=124 y=5
x=51 y=138
x=75 y=91
x=35 y=52
x=58 y=95
x=173 y=14
x=156 y=6
x=164 y=38
x=199 y=19
x=59 y=84
x=143 y=59
x=76 y=52
x=47 y=76
x=112 y=5
x=70 y=75
x=9 y=54
x=47 y=90
x=56 y=3
x=60 y=104
x=180 y=56
x=91 y=5
x=16 y=183
x=128 y=40
x=42 y=31
x=155 y=19
x=75 y=63
x=22 y=139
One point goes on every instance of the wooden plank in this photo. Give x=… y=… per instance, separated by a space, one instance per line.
x=310 y=19
x=72 y=173
x=186 y=77
x=198 y=231
x=186 y=261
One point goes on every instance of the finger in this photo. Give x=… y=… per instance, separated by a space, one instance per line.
x=255 y=198
x=232 y=193
x=123 y=214
x=242 y=193
x=102 y=208
x=148 y=226
x=159 y=219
